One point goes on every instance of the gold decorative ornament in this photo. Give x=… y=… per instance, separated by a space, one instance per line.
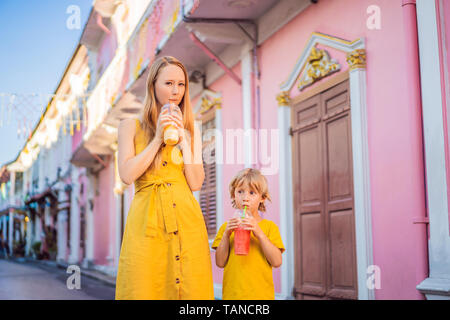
x=208 y=104
x=318 y=66
x=357 y=59
x=283 y=98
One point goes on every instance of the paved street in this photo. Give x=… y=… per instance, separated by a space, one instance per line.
x=31 y=281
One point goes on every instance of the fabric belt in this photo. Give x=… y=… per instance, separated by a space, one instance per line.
x=160 y=200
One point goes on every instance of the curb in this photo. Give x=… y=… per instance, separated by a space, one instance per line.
x=93 y=274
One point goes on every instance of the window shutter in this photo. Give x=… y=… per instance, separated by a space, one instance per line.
x=208 y=190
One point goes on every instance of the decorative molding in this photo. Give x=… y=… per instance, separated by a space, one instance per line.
x=315 y=39
x=357 y=59
x=207 y=106
x=331 y=82
x=283 y=99
x=319 y=65
x=207 y=103
x=208 y=99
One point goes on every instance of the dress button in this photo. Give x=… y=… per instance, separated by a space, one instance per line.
x=174 y=205
x=177 y=258
x=175 y=233
x=177 y=280
x=164 y=163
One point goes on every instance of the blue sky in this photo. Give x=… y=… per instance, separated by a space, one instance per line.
x=35 y=48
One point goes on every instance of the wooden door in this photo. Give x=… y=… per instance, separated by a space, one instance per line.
x=325 y=250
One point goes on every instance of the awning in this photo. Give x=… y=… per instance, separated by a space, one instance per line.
x=40 y=196
x=4 y=174
x=82 y=157
x=17 y=209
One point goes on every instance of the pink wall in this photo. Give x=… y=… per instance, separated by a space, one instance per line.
x=106 y=51
x=104 y=213
x=77 y=137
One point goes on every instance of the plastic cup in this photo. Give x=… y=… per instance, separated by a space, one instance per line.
x=170 y=132
x=171 y=135
x=241 y=241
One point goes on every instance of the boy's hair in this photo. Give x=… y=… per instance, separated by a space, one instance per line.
x=255 y=181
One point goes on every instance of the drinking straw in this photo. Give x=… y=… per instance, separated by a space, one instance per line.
x=243 y=214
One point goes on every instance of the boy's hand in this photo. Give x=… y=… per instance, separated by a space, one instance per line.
x=249 y=223
x=232 y=224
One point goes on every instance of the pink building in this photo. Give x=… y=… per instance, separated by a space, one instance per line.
x=327 y=100
x=342 y=104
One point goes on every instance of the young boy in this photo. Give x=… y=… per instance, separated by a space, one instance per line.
x=248 y=277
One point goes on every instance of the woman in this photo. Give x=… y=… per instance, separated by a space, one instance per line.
x=165 y=252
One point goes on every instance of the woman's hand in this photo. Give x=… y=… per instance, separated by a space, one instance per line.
x=249 y=223
x=177 y=115
x=164 y=119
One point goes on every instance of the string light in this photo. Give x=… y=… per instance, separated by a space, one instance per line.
x=100 y=99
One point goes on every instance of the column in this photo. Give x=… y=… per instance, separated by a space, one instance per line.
x=437 y=285
x=285 y=193
x=246 y=71
x=90 y=189
x=74 y=218
x=62 y=229
x=12 y=196
x=361 y=170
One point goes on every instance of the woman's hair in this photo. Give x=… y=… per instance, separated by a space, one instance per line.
x=255 y=181
x=150 y=112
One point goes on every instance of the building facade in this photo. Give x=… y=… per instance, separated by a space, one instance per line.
x=342 y=105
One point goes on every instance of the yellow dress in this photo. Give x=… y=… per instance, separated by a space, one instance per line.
x=165 y=252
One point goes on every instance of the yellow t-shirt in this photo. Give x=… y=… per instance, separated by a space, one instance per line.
x=249 y=277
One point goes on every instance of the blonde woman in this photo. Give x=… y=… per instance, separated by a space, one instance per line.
x=165 y=253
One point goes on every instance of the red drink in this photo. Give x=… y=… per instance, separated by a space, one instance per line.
x=241 y=241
